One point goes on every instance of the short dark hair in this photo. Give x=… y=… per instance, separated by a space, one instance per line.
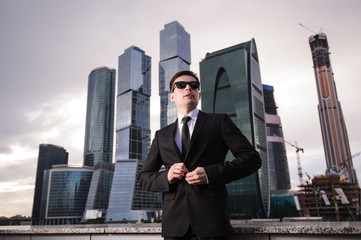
x=182 y=73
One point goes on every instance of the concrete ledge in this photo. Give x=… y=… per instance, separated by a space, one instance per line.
x=318 y=228
x=244 y=230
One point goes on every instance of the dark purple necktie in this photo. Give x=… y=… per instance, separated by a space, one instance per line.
x=185 y=136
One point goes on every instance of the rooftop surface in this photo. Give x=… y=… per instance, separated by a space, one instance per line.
x=321 y=228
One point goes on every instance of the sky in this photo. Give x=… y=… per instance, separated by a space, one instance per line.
x=48 y=48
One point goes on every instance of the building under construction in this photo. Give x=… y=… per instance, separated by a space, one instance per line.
x=334 y=133
x=331 y=198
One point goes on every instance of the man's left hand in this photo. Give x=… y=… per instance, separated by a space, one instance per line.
x=197 y=177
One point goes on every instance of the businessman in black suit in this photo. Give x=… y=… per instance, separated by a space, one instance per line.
x=193 y=151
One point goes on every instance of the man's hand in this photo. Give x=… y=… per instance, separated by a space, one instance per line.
x=197 y=177
x=177 y=171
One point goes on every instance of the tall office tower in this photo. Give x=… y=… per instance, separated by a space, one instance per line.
x=334 y=134
x=175 y=55
x=279 y=176
x=98 y=146
x=49 y=155
x=67 y=193
x=231 y=83
x=132 y=139
x=99 y=191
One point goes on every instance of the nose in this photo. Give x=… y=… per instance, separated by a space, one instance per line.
x=188 y=87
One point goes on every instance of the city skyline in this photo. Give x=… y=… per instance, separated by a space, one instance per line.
x=46 y=59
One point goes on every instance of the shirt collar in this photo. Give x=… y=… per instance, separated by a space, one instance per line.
x=193 y=114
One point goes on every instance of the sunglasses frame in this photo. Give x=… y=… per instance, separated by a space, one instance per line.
x=192 y=84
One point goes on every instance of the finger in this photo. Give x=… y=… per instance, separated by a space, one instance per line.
x=195 y=179
x=192 y=177
x=179 y=171
x=181 y=166
x=176 y=173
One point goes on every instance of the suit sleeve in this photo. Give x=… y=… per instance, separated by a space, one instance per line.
x=150 y=178
x=247 y=159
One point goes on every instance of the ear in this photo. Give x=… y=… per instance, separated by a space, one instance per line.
x=171 y=96
x=200 y=94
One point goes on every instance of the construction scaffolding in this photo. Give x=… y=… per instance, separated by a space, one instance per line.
x=328 y=197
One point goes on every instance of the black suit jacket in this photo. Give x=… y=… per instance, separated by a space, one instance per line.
x=204 y=207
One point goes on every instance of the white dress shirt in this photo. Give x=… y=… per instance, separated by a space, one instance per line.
x=191 y=123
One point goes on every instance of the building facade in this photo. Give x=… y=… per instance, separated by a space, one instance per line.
x=49 y=155
x=333 y=127
x=128 y=203
x=132 y=139
x=99 y=128
x=231 y=83
x=99 y=191
x=67 y=193
x=175 y=55
x=279 y=176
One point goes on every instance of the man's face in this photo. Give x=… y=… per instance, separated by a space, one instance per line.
x=187 y=97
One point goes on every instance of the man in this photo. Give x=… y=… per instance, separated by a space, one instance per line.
x=193 y=152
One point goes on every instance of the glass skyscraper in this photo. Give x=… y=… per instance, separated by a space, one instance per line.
x=175 y=55
x=333 y=127
x=99 y=191
x=279 y=177
x=49 y=155
x=231 y=83
x=127 y=201
x=133 y=105
x=68 y=188
x=98 y=146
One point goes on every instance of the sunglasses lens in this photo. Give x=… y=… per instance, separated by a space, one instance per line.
x=181 y=85
x=194 y=85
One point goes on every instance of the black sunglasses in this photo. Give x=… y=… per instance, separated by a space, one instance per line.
x=182 y=85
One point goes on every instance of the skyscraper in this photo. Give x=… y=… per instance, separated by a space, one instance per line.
x=127 y=201
x=98 y=146
x=175 y=55
x=279 y=177
x=99 y=191
x=231 y=83
x=333 y=127
x=49 y=155
x=133 y=105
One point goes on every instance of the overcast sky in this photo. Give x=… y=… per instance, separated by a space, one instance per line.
x=48 y=48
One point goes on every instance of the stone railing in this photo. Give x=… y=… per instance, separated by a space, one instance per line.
x=244 y=230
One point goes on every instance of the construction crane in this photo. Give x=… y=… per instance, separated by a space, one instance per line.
x=309 y=178
x=344 y=166
x=309 y=28
x=299 y=168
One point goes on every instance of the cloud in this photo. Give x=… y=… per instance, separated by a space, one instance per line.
x=16 y=202
x=60 y=122
x=19 y=185
x=16 y=155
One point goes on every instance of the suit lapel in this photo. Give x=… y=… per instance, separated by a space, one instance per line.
x=201 y=119
x=170 y=136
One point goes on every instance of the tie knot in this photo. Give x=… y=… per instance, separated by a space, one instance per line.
x=186 y=119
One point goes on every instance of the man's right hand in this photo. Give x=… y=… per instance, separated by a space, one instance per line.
x=177 y=171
